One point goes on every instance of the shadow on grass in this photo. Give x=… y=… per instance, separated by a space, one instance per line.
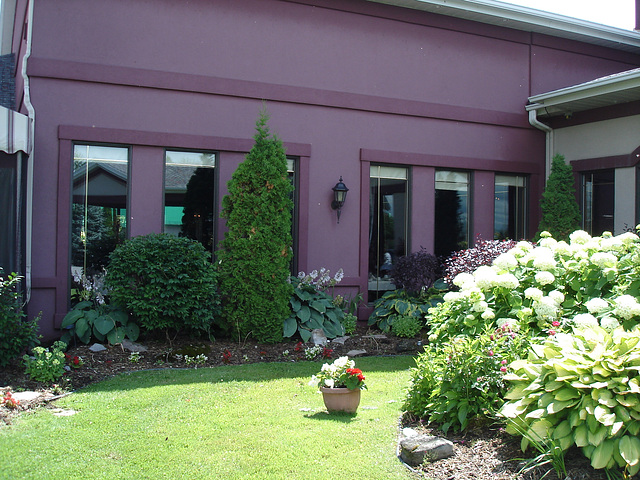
x=255 y=372
x=340 y=417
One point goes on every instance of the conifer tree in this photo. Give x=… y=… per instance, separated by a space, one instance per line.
x=256 y=251
x=560 y=211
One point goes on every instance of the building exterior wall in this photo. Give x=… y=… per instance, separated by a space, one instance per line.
x=346 y=86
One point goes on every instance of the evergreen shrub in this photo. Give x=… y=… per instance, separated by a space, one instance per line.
x=166 y=282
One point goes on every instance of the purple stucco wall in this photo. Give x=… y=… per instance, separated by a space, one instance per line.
x=345 y=85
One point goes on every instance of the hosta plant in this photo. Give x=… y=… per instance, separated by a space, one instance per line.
x=583 y=389
x=88 y=320
x=547 y=288
x=312 y=308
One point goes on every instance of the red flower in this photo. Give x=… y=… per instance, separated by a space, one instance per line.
x=298 y=346
x=76 y=361
x=503 y=369
x=552 y=332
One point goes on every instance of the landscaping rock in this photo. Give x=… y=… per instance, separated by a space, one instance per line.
x=133 y=347
x=96 y=347
x=424 y=448
x=339 y=340
x=355 y=353
x=318 y=337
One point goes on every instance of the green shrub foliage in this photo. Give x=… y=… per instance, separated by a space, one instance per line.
x=560 y=210
x=581 y=389
x=406 y=326
x=257 y=248
x=166 y=282
x=17 y=334
x=311 y=309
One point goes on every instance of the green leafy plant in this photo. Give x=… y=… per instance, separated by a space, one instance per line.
x=582 y=389
x=17 y=334
x=339 y=374
x=166 y=282
x=349 y=323
x=257 y=248
x=88 y=320
x=312 y=309
x=397 y=303
x=46 y=365
x=560 y=210
x=406 y=326
x=462 y=382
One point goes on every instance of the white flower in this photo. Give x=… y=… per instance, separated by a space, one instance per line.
x=506 y=261
x=604 y=260
x=507 y=280
x=488 y=314
x=627 y=307
x=533 y=293
x=556 y=296
x=609 y=323
x=545 y=307
x=543 y=259
x=452 y=297
x=628 y=238
x=585 y=320
x=485 y=277
x=562 y=248
x=580 y=237
x=524 y=246
x=329 y=382
x=545 y=278
x=507 y=323
x=462 y=279
x=314 y=381
x=547 y=242
x=596 y=305
x=480 y=306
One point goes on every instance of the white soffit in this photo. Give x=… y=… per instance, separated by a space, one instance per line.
x=527 y=19
x=614 y=89
x=14 y=131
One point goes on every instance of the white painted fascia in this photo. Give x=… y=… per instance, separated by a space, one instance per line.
x=527 y=19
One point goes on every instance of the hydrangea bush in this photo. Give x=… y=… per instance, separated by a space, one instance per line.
x=546 y=288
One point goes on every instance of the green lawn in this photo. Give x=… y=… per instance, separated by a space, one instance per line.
x=259 y=421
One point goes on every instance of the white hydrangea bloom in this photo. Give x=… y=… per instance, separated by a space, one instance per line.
x=545 y=307
x=585 y=320
x=485 y=277
x=604 y=260
x=545 y=278
x=543 y=259
x=506 y=261
x=507 y=280
x=609 y=323
x=507 y=323
x=596 y=305
x=524 y=246
x=533 y=293
x=556 y=296
x=527 y=312
x=480 y=306
x=580 y=237
x=562 y=248
x=452 y=297
x=548 y=242
x=488 y=314
x=628 y=238
x=627 y=307
x=462 y=279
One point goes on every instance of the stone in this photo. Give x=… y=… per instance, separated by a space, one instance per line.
x=409 y=432
x=355 y=353
x=424 y=448
x=97 y=347
x=318 y=337
x=376 y=337
x=339 y=340
x=133 y=347
x=408 y=346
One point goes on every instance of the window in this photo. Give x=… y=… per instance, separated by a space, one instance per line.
x=388 y=217
x=598 y=194
x=452 y=212
x=99 y=219
x=189 y=196
x=509 y=217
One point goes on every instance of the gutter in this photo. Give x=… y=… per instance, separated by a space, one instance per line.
x=30 y=148
x=533 y=120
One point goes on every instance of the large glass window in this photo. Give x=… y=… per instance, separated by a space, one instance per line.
x=598 y=197
x=189 y=195
x=388 y=230
x=452 y=212
x=509 y=213
x=99 y=208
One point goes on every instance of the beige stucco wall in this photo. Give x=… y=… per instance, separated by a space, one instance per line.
x=620 y=136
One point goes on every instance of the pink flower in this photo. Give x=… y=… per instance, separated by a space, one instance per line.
x=490 y=353
x=552 y=332
x=503 y=369
x=503 y=362
x=555 y=323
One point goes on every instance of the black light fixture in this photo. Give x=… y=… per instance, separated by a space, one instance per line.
x=339 y=196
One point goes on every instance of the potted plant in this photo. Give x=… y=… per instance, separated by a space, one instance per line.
x=340 y=383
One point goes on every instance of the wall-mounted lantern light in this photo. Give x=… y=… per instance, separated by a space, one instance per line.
x=339 y=196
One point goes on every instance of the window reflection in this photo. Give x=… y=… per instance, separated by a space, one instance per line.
x=99 y=207
x=387 y=226
x=598 y=197
x=509 y=207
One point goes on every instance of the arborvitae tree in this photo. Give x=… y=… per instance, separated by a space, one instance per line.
x=560 y=211
x=256 y=251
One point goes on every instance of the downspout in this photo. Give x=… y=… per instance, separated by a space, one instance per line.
x=31 y=141
x=533 y=120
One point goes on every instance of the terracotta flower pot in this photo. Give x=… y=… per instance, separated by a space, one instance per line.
x=341 y=399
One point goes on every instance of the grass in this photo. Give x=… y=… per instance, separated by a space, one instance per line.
x=259 y=421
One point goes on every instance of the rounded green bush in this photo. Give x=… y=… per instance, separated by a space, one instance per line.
x=166 y=282
x=406 y=326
